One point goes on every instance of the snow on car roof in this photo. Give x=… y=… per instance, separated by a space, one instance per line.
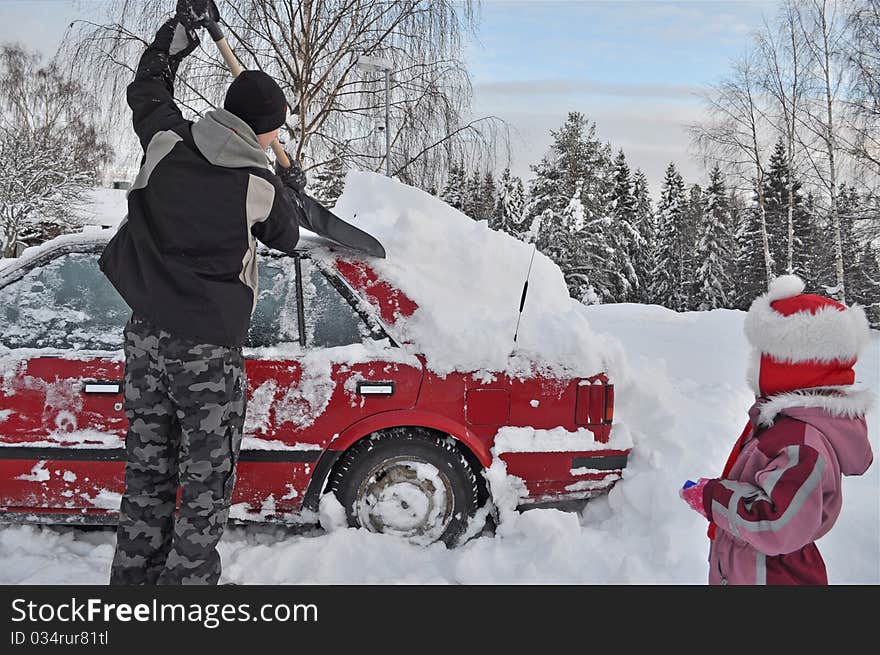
x=101 y=234
x=467 y=281
x=91 y=234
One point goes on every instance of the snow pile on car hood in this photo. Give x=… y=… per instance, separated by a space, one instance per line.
x=467 y=281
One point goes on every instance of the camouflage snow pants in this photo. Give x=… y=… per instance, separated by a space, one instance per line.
x=185 y=404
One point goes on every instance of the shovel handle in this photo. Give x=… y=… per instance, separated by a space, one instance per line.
x=228 y=57
x=235 y=69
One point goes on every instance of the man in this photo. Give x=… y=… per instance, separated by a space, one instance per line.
x=184 y=259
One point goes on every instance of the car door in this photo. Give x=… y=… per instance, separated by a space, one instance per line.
x=315 y=366
x=62 y=423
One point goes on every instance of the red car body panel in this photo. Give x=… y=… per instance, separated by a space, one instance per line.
x=63 y=449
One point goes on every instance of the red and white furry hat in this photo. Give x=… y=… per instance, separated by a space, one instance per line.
x=802 y=342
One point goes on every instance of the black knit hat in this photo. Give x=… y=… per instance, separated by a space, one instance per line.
x=257 y=100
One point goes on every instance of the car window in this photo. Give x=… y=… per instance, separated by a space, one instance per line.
x=66 y=303
x=275 y=318
x=329 y=319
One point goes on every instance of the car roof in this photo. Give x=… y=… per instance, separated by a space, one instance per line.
x=357 y=273
x=97 y=235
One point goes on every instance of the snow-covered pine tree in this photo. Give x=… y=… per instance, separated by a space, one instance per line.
x=821 y=274
x=646 y=226
x=779 y=210
x=737 y=212
x=507 y=215
x=471 y=201
x=849 y=208
x=552 y=236
x=328 y=183
x=776 y=206
x=806 y=238
x=577 y=164
x=544 y=190
x=866 y=284
x=586 y=261
x=714 y=286
x=751 y=277
x=564 y=169
x=626 y=242
x=690 y=259
x=486 y=204
x=667 y=286
x=453 y=191
x=751 y=270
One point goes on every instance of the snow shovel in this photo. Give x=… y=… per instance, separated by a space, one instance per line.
x=321 y=220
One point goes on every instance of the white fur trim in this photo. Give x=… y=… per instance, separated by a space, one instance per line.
x=854 y=404
x=826 y=336
x=786 y=286
x=753 y=372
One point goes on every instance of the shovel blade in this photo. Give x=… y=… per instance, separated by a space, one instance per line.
x=325 y=223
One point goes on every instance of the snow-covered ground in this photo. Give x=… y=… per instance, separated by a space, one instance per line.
x=681 y=397
x=103 y=206
x=685 y=400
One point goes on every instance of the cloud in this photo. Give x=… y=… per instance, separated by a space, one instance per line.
x=651 y=134
x=697 y=19
x=592 y=88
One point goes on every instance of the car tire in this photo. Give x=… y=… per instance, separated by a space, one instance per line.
x=407 y=482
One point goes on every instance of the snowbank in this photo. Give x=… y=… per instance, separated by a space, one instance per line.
x=467 y=281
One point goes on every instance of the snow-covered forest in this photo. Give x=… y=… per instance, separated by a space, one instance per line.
x=789 y=142
x=697 y=248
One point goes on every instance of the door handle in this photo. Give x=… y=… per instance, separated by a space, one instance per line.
x=102 y=387
x=375 y=388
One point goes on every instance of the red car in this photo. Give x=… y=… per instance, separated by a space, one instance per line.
x=335 y=404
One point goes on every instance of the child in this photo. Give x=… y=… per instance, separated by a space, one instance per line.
x=781 y=487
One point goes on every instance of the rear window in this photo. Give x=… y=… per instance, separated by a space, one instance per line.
x=66 y=303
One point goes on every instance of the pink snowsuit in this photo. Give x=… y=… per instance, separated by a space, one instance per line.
x=782 y=494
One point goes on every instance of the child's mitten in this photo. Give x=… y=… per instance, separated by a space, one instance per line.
x=692 y=493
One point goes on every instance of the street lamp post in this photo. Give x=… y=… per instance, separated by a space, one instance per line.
x=377 y=64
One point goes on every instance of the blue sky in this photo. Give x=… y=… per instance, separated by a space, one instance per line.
x=633 y=66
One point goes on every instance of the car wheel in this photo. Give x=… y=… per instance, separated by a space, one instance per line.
x=409 y=483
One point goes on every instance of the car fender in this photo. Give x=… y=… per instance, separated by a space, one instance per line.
x=414 y=418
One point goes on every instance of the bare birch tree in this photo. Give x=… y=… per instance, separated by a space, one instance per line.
x=734 y=135
x=781 y=47
x=50 y=152
x=821 y=26
x=863 y=57
x=312 y=48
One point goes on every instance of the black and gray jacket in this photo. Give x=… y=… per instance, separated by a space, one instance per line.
x=185 y=255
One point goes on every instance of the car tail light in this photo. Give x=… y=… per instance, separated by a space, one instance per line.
x=595 y=402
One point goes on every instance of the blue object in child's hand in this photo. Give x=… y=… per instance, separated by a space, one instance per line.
x=688 y=484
